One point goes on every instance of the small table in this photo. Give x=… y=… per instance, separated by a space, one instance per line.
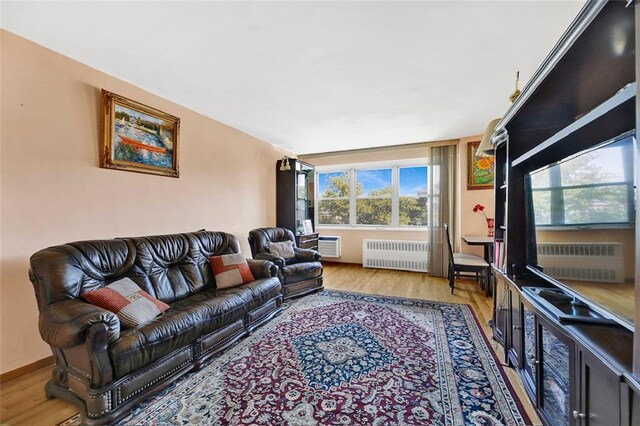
x=487 y=243
x=480 y=240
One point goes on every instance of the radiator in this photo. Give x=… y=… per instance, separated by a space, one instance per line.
x=599 y=262
x=329 y=246
x=390 y=254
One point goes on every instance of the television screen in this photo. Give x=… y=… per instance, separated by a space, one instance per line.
x=581 y=222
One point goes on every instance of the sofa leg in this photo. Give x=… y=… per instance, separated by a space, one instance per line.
x=48 y=392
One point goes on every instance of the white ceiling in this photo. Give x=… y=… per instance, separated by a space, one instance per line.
x=313 y=76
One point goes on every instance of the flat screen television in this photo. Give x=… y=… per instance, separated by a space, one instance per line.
x=580 y=218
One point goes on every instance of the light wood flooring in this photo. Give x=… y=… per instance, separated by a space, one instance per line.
x=22 y=400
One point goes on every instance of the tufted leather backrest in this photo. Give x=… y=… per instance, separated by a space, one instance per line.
x=260 y=238
x=169 y=267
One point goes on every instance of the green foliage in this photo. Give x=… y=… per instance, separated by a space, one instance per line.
x=373 y=211
x=333 y=212
x=413 y=211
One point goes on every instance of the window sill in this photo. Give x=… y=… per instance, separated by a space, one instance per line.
x=371 y=228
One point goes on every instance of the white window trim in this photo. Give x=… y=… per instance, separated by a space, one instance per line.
x=351 y=168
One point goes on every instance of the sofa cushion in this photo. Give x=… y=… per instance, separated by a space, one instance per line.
x=257 y=292
x=284 y=249
x=125 y=299
x=188 y=319
x=230 y=270
x=301 y=272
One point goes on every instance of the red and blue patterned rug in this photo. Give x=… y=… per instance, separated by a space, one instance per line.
x=345 y=358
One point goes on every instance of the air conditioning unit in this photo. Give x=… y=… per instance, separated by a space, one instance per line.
x=329 y=246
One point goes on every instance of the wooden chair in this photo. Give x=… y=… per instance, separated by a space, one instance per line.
x=463 y=262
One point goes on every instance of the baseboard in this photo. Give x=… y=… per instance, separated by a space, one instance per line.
x=21 y=371
x=335 y=262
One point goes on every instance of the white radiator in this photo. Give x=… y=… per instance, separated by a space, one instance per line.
x=599 y=262
x=329 y=246
x=391 y=254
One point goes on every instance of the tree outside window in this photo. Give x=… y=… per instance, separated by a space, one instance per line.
x=373 y=200
x=413 y=196
x=334 y=191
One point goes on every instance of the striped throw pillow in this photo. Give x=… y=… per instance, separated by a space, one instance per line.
x=124 y=298
x=230 y=270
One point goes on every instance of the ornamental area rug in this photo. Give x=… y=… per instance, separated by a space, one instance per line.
x=337 y=358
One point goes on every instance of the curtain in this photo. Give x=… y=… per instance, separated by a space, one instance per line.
x=441 y=208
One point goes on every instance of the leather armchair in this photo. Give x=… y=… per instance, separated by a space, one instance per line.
x=298 y=275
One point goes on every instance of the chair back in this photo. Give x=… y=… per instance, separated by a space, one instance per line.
x=446 y=231
x=260 y=238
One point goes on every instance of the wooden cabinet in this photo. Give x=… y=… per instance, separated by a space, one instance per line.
x=309 y=241
x=575 y=370
x=599 y=400
x=530 y=352
x=514 y=348
x=555 y=374
x=501 y=312
x=294 y=195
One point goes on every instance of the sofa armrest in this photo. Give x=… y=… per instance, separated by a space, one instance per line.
x=262 y=268
x=272 y=258
x=64 y=324
x=306 y=255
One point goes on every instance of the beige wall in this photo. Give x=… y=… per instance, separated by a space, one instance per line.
x=469 y=222
x=53 y=190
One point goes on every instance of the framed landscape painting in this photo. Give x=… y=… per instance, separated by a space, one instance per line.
x=479 y=169
x=138 y=138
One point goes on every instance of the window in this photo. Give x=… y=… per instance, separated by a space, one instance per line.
x=413 y=196
x=334 y=190
x=373 y=196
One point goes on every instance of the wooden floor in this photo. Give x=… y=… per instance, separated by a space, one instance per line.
x=22 y=400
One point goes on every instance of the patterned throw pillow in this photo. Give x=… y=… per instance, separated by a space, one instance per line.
x=230 y=270
x=124 y=298
x=283 y=249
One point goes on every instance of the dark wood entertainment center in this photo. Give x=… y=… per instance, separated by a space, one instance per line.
x=585 y=369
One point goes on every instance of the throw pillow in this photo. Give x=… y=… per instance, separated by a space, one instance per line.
x=129 y=302
x=230 y=270
x=283 y=249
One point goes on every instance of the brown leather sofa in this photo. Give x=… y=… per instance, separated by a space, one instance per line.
x=298 y=275
x=104 y=369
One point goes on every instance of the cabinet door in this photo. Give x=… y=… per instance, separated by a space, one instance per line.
x=530 y=359
x=556 y=352
x=501 y=311
x=599 y=387
x=515 y=338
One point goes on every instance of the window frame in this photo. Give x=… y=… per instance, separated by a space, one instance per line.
x=351 y=170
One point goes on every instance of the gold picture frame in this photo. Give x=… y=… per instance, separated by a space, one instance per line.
x=137 y=137
x=480 y=170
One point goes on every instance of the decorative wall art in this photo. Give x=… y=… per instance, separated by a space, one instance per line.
x=138 y=138
x=479 y=169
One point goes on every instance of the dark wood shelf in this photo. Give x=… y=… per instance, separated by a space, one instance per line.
x=583 y=94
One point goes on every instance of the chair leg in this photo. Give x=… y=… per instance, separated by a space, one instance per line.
x=451 y=277
x=487 y=282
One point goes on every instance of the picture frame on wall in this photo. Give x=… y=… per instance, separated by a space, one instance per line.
x=137 y=137
x=480 y=170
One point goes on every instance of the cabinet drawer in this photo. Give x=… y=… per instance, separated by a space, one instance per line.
x=309 y=241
